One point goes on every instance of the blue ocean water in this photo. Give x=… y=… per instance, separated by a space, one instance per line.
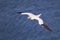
x=17 y=27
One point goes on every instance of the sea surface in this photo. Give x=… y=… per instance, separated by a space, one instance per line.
x=14 y=26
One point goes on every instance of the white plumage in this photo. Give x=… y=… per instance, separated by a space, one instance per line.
x=32 y=17
x=36 y=17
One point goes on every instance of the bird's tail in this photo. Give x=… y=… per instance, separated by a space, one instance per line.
x=39 y=15
x=46 y=27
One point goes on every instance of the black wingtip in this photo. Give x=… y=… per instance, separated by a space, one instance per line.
x=20 y=12
x=49 y=29
x=46 y=27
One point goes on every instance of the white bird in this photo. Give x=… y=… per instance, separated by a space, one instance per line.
x=36 y=17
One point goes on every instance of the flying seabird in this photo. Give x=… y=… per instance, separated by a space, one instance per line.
x=36 y=17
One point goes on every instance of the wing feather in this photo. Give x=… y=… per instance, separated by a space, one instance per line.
x=40 y=21
x=46 y=27
x=26 y=14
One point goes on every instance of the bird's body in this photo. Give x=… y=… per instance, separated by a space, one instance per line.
x=36 y=17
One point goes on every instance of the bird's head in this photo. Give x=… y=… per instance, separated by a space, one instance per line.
x=31 y=17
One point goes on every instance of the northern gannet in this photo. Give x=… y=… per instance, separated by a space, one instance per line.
x=36 y=17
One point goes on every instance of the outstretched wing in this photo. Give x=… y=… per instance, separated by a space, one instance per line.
x=26 y=13
x=40 y=21
x=46 y=27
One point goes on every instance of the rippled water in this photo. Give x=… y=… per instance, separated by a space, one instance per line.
x=17 y=27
